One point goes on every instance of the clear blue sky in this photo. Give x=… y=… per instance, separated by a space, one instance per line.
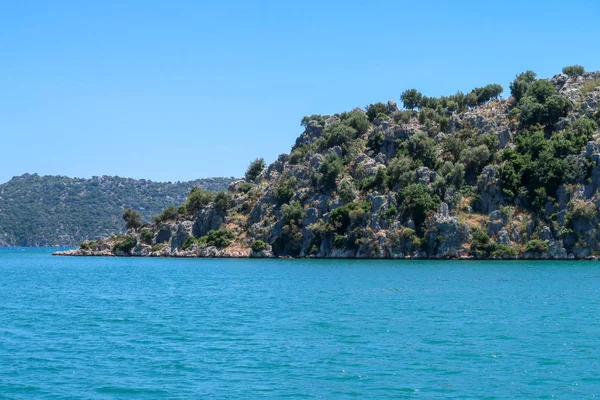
x=178 y=90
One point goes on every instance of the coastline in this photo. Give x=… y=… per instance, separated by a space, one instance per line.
x=226 y=255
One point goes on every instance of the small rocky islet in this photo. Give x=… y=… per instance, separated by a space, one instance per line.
x=461 y=176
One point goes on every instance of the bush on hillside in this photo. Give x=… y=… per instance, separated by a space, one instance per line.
x=198 y=199
x=132 y=218
x=293 y=213
x=416 y=202
x=573 y=70
x=170 y=213
x=375 y=110
x=258 y=246
x=536 y=246
x=411 y=99
x=254 y=169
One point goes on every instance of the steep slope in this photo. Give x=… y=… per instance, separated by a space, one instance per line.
x=467 y=175
x=56 y=210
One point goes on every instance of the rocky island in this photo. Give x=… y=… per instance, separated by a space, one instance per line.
x=470 y=175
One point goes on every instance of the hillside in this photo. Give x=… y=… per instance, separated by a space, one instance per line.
x=463 y=176
x=56 y=210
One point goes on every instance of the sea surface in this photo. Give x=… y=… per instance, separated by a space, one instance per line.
x=104 y=328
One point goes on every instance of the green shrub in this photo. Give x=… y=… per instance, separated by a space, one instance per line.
x=245 y=187
x=483 y=95
x=132 y=218
x=444 y=124
x=453 y=174
x=423 y=148
x=330 y=169
x=375 y=141
x=339 y=241
x=221 y=202
x=157 y=247
x=416 y=202
x=356 y=120
x=170 y=213
x=390 y=213
x=254 y=169
x=584 y=210
x=189 y=242
x=480 y=242
x=337 y=134
x=377 y=181
x=401 y=172
x=198 y=199
x=502 y=251
x=536 y=246
x=87 y=245
x=146 y=235
x=258 y=246
x=319 y=119
x=482 y=246
x=411 y=99
x=347 y=191
x=573 y=70
x=374 y=110
x=541 y=90
x=342 y=217
x=519 y=86
x=126 y=244
x=293 y=213
x=285 y=190
x=220 y=238
x=402 y=116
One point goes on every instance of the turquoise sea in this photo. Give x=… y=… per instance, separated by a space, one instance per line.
x=81 y=328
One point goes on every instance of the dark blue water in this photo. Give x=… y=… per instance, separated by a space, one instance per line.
x=246 y=329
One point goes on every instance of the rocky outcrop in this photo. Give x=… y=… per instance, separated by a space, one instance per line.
x=385 y=183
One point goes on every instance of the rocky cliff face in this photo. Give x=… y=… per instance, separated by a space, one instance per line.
x=410 y=184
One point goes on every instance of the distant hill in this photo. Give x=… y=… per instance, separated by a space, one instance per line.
x=57 y=210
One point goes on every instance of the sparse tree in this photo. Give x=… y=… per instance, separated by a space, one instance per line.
x=254 y=169
x=132 y=218
x=411 y=98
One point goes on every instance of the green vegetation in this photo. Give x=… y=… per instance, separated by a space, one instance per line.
x=539 y=164
x=370 y=183
x=254 y=169
x=258 y=246
x=125 y=244
x=170 y=213
x=292 y=213
x=483 y=247
x=417 y=202
x=157 y=247
x=88 y=244
x=221 y=202
x=537 y=101
x=378 y=110
x=589 y=86
x=536 y=246
x=285 y=191
x=220 y=238
x=331 y=168
x=56 y=210
x=197 y=199
x=573 y=70
x=343 y=217
x=146 y=235
x=132 y=218
x=412 y=99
